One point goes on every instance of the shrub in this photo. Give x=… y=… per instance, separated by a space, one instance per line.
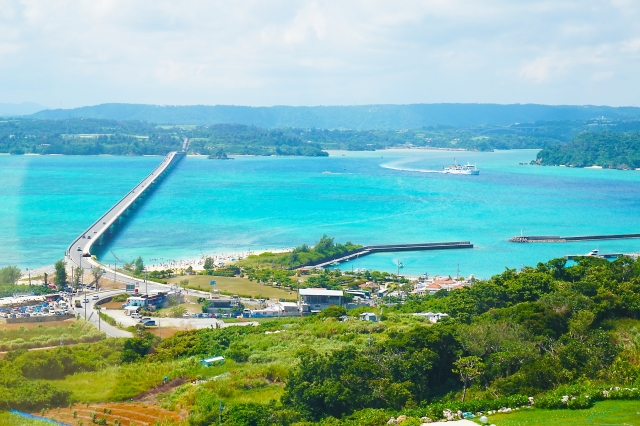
x=238 y=352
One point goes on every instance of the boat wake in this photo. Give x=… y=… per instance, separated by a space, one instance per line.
x=396 y=166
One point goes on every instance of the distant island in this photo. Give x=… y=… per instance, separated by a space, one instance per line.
x=90 y=136
x=605 y=149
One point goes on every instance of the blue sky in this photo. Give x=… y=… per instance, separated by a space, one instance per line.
x=66 y=53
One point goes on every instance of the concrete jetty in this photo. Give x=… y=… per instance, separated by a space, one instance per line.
x=557 y=239
x=366 y=250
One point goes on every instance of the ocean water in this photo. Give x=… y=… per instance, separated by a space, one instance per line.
x=212 y=207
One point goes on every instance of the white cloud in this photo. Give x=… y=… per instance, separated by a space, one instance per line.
x=319 y=52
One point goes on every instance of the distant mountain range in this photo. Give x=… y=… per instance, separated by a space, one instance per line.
x=389 y=117
x=25 y=108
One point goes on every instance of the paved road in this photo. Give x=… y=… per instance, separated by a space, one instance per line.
x=89 y=310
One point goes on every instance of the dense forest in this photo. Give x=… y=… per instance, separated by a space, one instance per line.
x=604 y=149
x=557 y=335
x=97 y=136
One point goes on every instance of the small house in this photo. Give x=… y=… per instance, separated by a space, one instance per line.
x=368 y=316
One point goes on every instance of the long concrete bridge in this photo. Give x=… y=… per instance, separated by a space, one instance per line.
x=79 y=252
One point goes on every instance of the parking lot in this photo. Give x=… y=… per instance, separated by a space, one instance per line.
x=35 y=306
x=184 y=322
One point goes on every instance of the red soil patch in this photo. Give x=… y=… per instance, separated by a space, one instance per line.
x=125 y=413
x=112 y=305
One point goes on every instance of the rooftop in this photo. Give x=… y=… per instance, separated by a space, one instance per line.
x=320 y=292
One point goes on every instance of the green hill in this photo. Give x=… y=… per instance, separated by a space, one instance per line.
x=390 y=117
x=605 y=149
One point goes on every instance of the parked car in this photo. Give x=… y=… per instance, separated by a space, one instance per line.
x=95 y=297
x=149 y=323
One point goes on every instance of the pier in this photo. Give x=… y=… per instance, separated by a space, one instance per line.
x=366 y=250
x=81 y=247
x=601 y=256
x=556 y=239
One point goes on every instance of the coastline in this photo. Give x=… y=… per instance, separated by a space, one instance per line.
x=197 y=263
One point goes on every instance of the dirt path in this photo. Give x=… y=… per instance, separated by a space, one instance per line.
x=150 y=395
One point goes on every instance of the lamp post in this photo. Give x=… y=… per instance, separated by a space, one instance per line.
x=84 y=288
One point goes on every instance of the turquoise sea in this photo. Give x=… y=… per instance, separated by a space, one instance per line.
x=208 y=206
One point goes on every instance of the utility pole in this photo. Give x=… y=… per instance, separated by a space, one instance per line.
x=85 y=289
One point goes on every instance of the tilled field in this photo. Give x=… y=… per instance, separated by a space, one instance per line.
x=136 y=413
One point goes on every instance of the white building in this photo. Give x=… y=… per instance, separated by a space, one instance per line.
x=317 y=299
x=433 y=317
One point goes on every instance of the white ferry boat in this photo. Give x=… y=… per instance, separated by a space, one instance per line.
x=458 y=169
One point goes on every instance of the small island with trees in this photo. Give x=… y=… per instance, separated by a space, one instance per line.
x=604 y=149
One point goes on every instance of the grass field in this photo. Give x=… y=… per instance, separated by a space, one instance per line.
x=234 y=285
x=38 y=335
x=7 y=418
x=30 y=325
x=123 y=382
x=602 y=413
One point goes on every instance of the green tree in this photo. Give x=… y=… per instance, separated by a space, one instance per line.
x=97 y=272
x=208 y=264
x=177 y=311
x=137 y=347
x=138 y=266
x=77 y=277
x=333 y=312
x=468 y=367
x=10 y=275
x=60 y=278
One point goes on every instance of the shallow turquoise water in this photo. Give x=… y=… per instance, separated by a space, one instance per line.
x=208 y=206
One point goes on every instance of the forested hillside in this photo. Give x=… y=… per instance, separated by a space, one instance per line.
x=82 y=136
x=605 y=149
x=92 y=137
x=556 y=335
x=360 y=117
